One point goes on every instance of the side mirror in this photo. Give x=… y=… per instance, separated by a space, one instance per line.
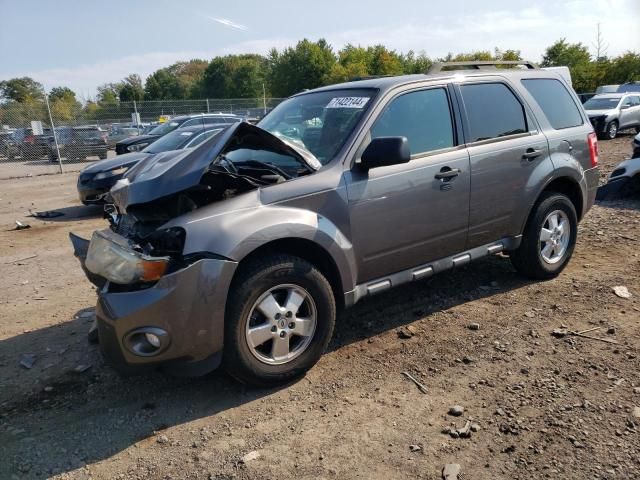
x=624 y=107
x=385 y=151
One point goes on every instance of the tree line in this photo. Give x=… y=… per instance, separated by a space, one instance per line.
x=306 y=65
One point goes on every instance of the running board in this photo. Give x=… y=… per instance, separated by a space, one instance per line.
x=428 y=269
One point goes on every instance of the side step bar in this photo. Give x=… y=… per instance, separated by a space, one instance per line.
x=426 y=270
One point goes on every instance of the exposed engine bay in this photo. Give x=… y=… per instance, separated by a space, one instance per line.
x=249 y=158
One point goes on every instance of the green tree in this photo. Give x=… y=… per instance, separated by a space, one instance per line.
x=234 y=76
x=412 y=63
x=21 y=90
x=62 y=93
x=625 y=68
x=176 y=82
x=566 y=54
x=307 y=65
x=108 y=93
x=132 y=89
x=63 y=103
x=383 y=61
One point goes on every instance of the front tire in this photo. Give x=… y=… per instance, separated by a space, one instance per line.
x=611 y=131
x=279 y=320
x=549 y=238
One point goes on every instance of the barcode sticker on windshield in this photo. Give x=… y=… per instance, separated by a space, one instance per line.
x=348 y=102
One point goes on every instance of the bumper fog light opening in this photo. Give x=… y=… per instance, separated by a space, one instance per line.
x=147 y=341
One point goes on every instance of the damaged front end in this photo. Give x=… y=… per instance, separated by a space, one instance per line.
x=157 y=304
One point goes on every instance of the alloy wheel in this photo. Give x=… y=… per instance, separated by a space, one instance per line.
x=281 y=324
x=555 y=236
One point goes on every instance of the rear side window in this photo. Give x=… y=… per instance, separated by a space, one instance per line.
x=555 y=101
x=492 y=111
x=423 y=117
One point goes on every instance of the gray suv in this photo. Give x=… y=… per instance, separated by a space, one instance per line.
x=241 y=251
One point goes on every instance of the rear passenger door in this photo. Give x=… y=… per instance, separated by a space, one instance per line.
x=505 y=149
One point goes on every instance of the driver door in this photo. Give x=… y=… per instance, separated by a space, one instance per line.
x=402 y=215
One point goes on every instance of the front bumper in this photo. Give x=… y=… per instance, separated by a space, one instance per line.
x=188 y=304
x=599 y=123
x=91 y=191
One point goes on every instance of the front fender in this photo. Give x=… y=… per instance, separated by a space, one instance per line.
x=237 y=233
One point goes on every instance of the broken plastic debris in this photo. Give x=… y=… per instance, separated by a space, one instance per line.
x=47 y=214
x=21 y=226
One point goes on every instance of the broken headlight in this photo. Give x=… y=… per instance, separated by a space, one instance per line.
x=111 y=257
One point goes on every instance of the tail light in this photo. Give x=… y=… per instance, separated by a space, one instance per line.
x=592 y=140
x=29 y=139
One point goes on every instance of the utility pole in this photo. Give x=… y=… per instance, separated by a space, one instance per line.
x=264 y=100
x=53 y=130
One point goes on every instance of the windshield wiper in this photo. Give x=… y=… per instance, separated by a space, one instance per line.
x=266 y=165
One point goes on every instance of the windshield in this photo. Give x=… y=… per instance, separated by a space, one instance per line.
x=164 y=128
x=171 y=141
x=320 y=122
x=601 y=103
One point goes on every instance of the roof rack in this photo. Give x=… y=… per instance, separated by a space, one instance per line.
x=368 y=77
x=478 y=65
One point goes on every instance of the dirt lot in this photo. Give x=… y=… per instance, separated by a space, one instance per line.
x=543 y=407
x=11 y=169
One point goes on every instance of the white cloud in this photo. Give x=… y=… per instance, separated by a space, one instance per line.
x=228 y=23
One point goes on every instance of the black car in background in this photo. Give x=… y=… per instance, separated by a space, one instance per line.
x=97 y=179
x=138 y=143
x=8 y=146
x=78 y=143
x=34 y=146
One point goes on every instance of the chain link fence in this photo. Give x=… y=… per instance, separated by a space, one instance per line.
x=42 y=137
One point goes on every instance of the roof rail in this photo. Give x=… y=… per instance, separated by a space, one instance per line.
x=478 y=65
x=368 y=77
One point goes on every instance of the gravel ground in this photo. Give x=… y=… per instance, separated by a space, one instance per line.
x=529 y=404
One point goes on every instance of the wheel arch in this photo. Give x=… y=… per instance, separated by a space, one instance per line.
x=306 y=249
x=565 y=185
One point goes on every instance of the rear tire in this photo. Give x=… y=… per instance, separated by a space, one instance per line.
x=250 y=355
x=544 y=251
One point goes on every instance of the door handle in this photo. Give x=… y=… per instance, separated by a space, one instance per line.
x=447 y=173
x=531 y=153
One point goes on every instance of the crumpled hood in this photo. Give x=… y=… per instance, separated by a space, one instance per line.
x=126 y=160
x=171 y=172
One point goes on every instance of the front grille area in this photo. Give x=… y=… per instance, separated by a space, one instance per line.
x=598 y=123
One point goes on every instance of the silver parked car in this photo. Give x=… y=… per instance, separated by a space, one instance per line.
x=241 y=250
x=611 y=112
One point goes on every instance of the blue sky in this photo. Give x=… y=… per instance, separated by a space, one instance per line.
x=82 y=44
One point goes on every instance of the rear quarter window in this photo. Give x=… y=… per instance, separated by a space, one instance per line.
x=555 y=101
